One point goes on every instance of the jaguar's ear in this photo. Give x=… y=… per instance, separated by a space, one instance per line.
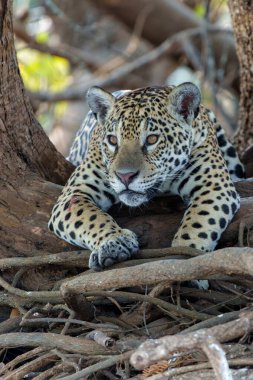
x=184 y=101
x=100 y=102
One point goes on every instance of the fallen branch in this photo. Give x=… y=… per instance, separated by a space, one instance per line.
x=227 y=261
x=152 y=351
x=56 y=370
x=10 y=325
x=81 y=257
x=170 y=373
x=32 y=366
x=21 y=358
x=220 y=298
x=77 y=258
x=170 y=308
x=51 y=340
x=215 y=321
x=40 y=296
x=98 y=366
x=47 y=320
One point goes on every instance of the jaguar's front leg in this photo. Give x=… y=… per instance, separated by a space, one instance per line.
x=207 y=216
x=77 y=219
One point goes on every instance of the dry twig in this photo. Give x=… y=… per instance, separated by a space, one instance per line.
x=31 y=366
x=98 y=366
x=170 y=373
x=168 y=307
x=21 y=358
x=51 y=340
x=39 y=296
x=207 y=339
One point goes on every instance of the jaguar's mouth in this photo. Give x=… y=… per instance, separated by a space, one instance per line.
x=130 y=192
x=136 y=198
x=132 y=198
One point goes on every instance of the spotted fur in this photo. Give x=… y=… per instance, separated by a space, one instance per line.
x=139 y=144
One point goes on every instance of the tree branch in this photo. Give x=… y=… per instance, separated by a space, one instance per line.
x=104 y=80
x=154 y=350
x=51 y=340
x=228 y=261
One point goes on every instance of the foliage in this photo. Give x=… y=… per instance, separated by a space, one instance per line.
x=44 y=72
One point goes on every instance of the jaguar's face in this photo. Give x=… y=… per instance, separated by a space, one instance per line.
x=138 y=164
x=144 y=143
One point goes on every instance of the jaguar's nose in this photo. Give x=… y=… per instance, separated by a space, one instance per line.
x=126 y=178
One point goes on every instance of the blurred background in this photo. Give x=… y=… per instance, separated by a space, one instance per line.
x=64 y=47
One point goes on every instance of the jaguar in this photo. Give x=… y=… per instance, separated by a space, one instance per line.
x=137 y=144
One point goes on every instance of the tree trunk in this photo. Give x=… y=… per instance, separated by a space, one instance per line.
x=242 y=19
x=27 y=158
x=24 y=146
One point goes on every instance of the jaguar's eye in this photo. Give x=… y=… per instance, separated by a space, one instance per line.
x=152 y=139
x=112 y=140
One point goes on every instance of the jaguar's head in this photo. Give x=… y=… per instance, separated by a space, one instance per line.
x=147 y=136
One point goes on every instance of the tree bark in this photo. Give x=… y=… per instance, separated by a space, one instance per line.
x=242 y=19
x=27 y=158
x=25 y=148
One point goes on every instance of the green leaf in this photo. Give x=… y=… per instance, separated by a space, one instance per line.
x=199 y=10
